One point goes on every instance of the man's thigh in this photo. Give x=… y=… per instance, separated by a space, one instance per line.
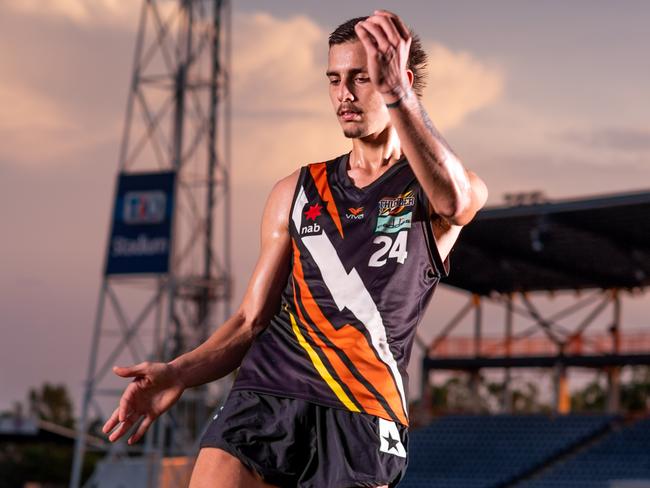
x=216 y=467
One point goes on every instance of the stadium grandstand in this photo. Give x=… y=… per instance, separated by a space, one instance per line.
x=594 y=250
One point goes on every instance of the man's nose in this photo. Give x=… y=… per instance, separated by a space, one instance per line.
x=345 y=93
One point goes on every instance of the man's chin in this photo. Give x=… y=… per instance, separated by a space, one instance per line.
x=353 y=133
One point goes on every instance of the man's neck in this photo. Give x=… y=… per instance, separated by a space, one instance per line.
x=375 y=153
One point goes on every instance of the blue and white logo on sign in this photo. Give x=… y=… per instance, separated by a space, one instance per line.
x=144 y=207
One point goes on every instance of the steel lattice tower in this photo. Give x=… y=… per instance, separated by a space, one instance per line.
x=177 y=120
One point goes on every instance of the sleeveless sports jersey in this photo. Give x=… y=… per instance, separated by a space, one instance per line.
x=364 y=266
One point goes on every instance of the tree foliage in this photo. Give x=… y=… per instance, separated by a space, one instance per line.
x=37 y=460
x=52 y=403
x=456 y=395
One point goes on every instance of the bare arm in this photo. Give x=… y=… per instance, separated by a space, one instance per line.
x=454 y=192
x=222 y=352
x=156 y=386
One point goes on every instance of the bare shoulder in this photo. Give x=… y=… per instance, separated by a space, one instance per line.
x=278 y=204
x=288 y=183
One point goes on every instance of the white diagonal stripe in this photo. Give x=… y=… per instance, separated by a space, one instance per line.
x=348 y=290
x=299 y=204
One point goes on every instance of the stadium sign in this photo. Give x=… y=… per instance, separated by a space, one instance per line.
x=140 y=239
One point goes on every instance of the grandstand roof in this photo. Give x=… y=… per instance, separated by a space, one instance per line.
x=597 y=242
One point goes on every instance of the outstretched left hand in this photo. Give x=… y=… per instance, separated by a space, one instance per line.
x=387 y=41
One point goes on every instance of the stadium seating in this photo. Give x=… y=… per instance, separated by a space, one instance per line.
x=470 y=451
x=622 y=455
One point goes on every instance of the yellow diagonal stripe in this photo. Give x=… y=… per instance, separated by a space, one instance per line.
x=320 y=367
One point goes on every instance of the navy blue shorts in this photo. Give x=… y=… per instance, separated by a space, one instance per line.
x=292 y=442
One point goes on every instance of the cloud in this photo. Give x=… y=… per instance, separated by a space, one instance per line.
x=516 y=148
x=38 y=129
x=274 y=73
x=278 y=65
x=62 y=88
x=282 y=114
x=20 y=103
x=81 y=12
x=620 y=148
x=458 y=84
x=624 y=139
x=283 y=117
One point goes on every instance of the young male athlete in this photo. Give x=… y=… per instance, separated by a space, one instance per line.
x=352 y=250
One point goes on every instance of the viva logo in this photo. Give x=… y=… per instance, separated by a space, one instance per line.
x=355 y=213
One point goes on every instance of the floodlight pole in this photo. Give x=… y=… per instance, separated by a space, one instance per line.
x=177 y=41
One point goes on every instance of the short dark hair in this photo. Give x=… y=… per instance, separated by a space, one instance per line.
x=417 y=61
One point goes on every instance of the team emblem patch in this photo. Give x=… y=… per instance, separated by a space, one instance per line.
x=396 y=205
x=389 y=439
x=394 y=223
x=394 y=213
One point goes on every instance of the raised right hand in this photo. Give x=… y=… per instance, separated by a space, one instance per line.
x=154 y=389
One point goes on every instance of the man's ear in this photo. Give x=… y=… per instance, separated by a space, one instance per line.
x=411 y=77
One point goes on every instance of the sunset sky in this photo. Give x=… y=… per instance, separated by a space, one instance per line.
x=550 y=96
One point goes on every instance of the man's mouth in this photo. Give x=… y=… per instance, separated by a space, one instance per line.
x=349 y=114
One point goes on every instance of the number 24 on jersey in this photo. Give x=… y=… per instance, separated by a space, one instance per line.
x=390 y=249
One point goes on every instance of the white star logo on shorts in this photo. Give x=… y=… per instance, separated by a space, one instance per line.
x=389 y=440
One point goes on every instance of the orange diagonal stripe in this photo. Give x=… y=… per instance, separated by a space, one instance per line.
x=338 y=365
x=319 y=173
x=362 y=395
x=354 y=344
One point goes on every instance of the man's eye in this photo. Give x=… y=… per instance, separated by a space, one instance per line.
x=334 y=82
x=362 y=79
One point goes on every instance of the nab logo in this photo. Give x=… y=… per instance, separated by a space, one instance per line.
x=311 y=214
x=144 y=207
x=355 y=213
x=311 y=229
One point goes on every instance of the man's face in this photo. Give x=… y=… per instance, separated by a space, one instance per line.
x=360 y=108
